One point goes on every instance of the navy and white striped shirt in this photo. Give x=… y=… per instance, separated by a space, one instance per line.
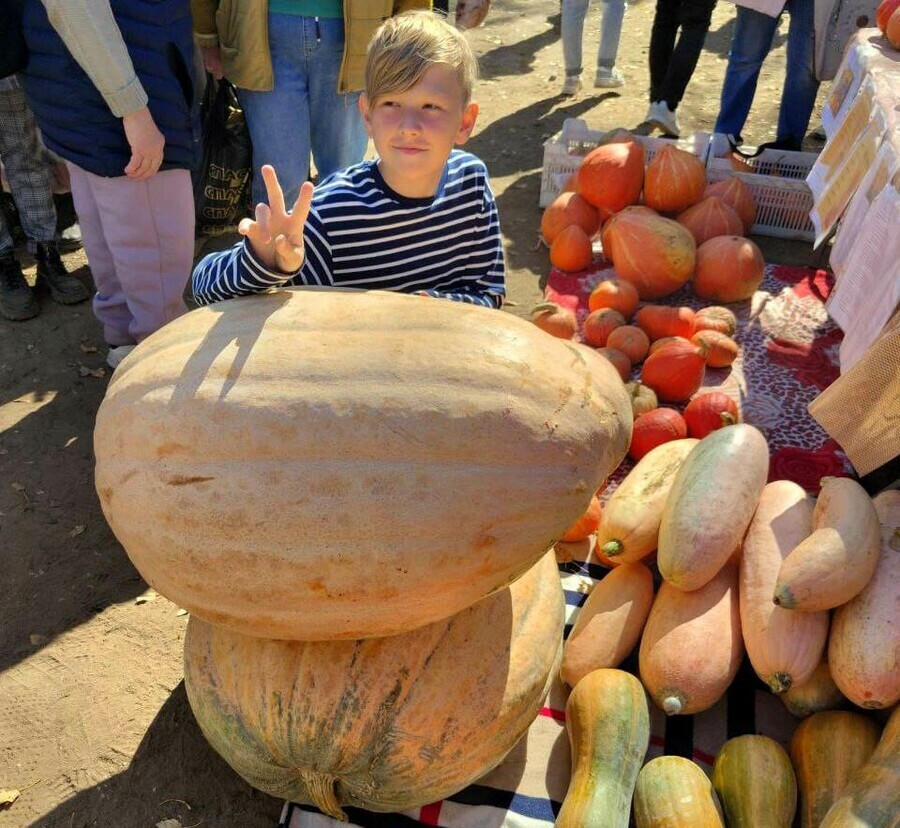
x=361 y=234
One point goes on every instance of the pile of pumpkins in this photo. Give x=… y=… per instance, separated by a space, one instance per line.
x=888 y=21
x=810 y=591
x=356 y=495
x=660 y=223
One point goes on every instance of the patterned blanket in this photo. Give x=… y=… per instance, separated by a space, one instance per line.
x=789 y=354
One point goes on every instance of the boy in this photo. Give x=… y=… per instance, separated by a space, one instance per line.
x=419 y=219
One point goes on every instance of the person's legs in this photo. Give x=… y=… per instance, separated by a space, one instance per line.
x=662 y=42
x=278 y=121
x=694 y=17
x=336 y=126
x=610 y=32
x=750 y=43
x=572 y=32
x=800 y=85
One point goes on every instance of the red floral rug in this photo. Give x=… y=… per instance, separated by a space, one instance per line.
x=789 y=354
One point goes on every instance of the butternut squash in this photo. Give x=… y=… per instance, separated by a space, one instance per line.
x=709 y=508
x=783 y=646
x=609 y=622
x=609 y=732
x=692 y=646
x=755 y=782
x=826 y=749
x=317 y=464
x=839 y=558
x=864 y=648
x=629 y=525
x=818 y=692
x=673 y=792
x=872 y=797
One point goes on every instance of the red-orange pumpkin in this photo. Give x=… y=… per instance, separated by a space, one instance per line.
x=611 y=176
x=654 y=428
x=660 y=321
x=708 y=412
x=655 y=254
x=892 y=30
x=619 y=360
x=568 y=208
x=728 y=269
x=631 y=341
x=711 y=217
x=715 y=318
x=659 y=344
x=735 y=192
x=675 y=372
x=571 y=249
x=586 y=525
x=616 y=294
x=599 y=324
x=884 y=12
x=674 y=180
x=554 y=320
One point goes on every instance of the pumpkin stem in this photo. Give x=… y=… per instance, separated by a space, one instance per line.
x=727 y=418
x=321 y=790
x=672 y=705
x=542 y=307
x=784 y=597
x=612 y=548
x=780 y=682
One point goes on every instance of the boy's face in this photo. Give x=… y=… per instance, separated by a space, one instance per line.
x=414 y=131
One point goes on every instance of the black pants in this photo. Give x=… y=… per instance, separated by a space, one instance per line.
x=671 y=63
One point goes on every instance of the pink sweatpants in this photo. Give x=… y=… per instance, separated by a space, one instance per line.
x=139 y=240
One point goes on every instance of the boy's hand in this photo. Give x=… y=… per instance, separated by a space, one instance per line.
x=277 y=235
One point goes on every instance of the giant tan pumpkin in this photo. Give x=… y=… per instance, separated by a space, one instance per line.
x=322 y=464
x=384 y=724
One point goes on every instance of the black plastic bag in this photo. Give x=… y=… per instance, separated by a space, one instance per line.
x=222 y=183
x=13 y=51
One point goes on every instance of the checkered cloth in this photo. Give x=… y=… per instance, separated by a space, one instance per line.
x=30 y=179
x=789 y=353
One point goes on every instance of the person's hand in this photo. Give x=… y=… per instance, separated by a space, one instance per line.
x=212 y=61
x=147 y=144
x=277 y=235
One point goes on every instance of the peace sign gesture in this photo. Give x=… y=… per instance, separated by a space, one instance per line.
x=276 y=235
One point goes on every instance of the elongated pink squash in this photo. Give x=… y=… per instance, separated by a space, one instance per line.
x=783 y=646
x=837 y=560
x=322 y=464
x=864 y=648
x=382 y=723
x=609 y=623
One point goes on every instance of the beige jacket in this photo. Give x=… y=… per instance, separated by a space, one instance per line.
x=240 y=29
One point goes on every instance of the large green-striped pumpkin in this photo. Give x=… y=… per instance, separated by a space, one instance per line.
x=321 y=464
x=381 y=723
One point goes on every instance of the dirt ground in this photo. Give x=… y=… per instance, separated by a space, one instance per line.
x=95 y=728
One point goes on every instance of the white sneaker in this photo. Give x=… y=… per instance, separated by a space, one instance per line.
x=117 y=353
x=572 y=85
x=608 y=77
x=664 y=118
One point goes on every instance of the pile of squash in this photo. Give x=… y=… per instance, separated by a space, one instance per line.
x=354 y=494
x=810 y=591
x=659 y=223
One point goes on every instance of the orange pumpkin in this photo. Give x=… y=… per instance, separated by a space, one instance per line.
x=659 y=321
x=568 y=208
x=586 y=525
x=631 y=341
x=715 y=318
x=619 y=361
x=661 y=425
x=616 y=294
x=655 y=254
x=711 y=217
x=599 y=324
x=659 y=344
x=611 y=176
x=892 y=30
x=708 y=412
x=675 y=372
x=571 y=249
x=721 y=350
x=736 y=193
x=674 y=180
x=884 y=12
x=728 y=269
x=554 y=320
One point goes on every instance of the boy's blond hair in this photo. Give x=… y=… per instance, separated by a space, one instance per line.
x=407 y=45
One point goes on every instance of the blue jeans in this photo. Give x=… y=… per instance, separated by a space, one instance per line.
x=572 y=29
x=305 y=113
x=750 y=44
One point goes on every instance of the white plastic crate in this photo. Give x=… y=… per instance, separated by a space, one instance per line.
x=564 y=153
x=778 y=186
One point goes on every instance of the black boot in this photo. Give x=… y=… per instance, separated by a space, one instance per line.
x=64 y=287
x=16 y=299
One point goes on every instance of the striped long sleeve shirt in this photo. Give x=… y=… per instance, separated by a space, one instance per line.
x=361 y=234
